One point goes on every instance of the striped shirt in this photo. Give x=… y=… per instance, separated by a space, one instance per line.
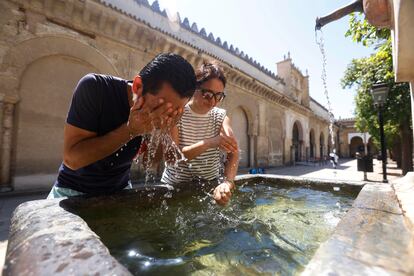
x=193 y=128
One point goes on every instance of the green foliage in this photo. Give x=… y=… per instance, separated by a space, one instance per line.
x=362 y=32
x=364 y=72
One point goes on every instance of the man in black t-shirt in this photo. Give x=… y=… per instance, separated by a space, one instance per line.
x=108 y=116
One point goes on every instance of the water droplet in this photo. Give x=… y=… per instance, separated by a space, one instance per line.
x=117 y=154
x=147 y=263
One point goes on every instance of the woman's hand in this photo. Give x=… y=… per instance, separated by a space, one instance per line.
x=224 y=142
x=222 y=193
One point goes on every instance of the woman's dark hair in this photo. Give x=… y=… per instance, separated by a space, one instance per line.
x=170 y=68
x=210 y=70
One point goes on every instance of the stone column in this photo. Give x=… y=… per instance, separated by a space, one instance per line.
x=6 y=134
x=412 y=108
x=301 y=149
x=1 y=123
x=252 y=149
x=253 y=134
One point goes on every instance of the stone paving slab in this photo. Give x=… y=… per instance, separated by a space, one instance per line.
x=404 y=189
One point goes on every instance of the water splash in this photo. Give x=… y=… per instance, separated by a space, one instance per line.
x=321 y=43
x=169 y=150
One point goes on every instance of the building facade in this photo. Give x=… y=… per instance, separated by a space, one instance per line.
x=46 y=46
x=352 y=141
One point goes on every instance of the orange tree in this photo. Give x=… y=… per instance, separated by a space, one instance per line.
x=362 y=73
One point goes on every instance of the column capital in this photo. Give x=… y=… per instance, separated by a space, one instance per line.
x=13 y=99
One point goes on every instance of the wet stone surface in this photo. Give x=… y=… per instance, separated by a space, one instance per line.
x=372 y=239
x=47 y=240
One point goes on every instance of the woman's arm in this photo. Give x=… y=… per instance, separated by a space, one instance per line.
x=222 y=193
x=232 y=164
x=194 y=150
x=223 y=141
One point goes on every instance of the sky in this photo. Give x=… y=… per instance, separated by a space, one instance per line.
x=268 y=29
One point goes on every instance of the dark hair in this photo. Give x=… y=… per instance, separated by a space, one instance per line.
x=210 y=70
x=170 y=68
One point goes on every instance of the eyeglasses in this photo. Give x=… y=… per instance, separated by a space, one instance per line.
x=208 y=94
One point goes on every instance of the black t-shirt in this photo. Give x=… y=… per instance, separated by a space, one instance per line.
x=100 y=104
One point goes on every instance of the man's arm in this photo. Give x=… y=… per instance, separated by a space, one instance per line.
x=82 y=147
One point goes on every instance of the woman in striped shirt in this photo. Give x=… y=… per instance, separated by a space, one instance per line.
x=203 y=132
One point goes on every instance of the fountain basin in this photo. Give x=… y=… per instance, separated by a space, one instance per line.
x=61 y=236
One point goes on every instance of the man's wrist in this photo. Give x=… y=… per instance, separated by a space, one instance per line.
x=130 y=132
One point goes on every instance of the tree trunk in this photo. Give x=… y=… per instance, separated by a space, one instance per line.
x=406 y=147
x=396 y=150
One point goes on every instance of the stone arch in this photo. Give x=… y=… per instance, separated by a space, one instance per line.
x=47 y=70
x=23 y=54
x=321 y=145
x=356 y=145
x=312 y=144
x=240 y=124
x=297 y=140
x=337 y=145
x=276 y=139
x=250 y=118
x=329 y=144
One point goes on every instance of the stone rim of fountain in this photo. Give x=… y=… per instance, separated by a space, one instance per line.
x=32 y=245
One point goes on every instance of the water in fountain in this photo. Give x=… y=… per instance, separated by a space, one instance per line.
x=320 y=41
x=170 y=151
x=266 y=229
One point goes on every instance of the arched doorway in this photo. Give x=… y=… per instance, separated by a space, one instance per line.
x=337 y=145
x=37 y=115
x=312 y=144
x=46 y=90
x=240 y=128
x=329 y=144
x=276 y=130
x=356 y=145
x=297 y=141
x=321 y=145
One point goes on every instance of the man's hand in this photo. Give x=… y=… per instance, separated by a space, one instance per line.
x=222 y=193
x=143 y=120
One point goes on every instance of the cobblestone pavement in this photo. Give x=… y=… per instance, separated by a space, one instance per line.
x=347 y=170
